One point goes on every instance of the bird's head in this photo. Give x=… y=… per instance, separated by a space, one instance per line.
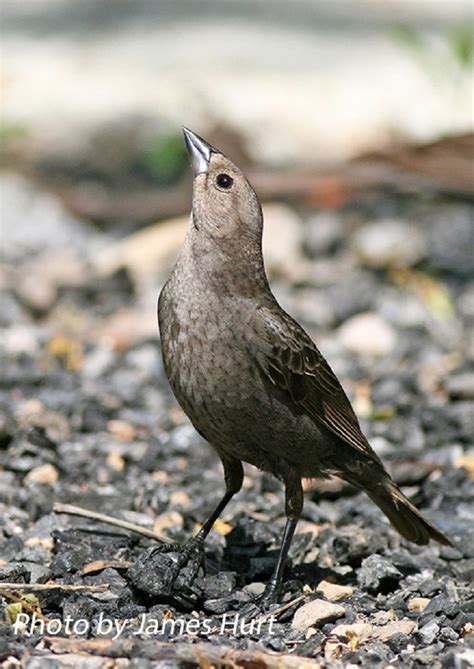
x=225 y=205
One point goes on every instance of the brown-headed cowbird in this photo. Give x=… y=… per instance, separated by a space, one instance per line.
x=248 y=376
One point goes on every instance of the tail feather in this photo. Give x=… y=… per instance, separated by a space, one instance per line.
x=404 y=516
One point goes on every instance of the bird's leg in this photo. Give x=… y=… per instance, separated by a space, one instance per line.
x=192 y=552
x=293 y=508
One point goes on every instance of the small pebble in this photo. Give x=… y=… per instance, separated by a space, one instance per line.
x=316 y=612
x=378 y=574
x=44 y=474
x=367 y=334
x=392 y=629
x=429 y=632
x=461 y=386
x=360 y=631
x=418 y=604
x=334 y=592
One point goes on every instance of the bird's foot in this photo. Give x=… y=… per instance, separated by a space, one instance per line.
x=264 y=603
x=186 y=561
x=270 y=595
x=169 y=569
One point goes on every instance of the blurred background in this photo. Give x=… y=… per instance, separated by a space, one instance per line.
x=353 y=120
x=342 y=114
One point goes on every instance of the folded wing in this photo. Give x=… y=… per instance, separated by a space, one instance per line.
x=292 y=362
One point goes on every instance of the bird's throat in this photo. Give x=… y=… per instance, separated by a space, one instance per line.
x=227 y=269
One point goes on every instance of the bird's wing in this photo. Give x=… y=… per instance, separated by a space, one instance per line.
x=292 y=362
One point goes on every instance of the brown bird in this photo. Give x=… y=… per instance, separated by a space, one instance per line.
x=248 y=376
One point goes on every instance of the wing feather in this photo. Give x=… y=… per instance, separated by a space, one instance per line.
x=293 y=363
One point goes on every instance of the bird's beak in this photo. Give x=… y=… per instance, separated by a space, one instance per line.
x=199 y=151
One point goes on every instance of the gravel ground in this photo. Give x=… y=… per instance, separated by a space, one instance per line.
x=87 y=419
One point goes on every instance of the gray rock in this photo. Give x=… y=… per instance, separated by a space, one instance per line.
x=378 y=574
x=389 y=243
x=448 y=634
x=464 y=569
x=350 y=544
x=461 y=658
x=429 y=632
x=255 y=589
x=184 y=437
x=33 y=221
x=401 y=308
x=229 y=603
x=461 y=386
x=452 y=240
x=218 y=585
x=14 y=572
x=461 y=416
x=352 y=294
x=441 y=604
x=322 y=233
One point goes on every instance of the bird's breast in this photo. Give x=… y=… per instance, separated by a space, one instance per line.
x=204 y=351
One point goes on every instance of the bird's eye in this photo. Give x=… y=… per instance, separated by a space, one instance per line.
x=224 y=181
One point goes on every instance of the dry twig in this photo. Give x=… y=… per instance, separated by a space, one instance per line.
x=54 y=586
x=100 y=565
x=280 y=609
x=110 y=520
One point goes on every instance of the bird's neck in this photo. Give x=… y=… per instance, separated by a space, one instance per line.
x=227 y=267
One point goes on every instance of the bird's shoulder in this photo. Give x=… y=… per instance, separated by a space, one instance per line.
x=292 y=362
x=290 y=350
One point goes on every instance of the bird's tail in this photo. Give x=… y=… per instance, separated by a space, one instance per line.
x=404 y=516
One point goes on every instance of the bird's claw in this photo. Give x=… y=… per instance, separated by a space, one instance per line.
x=168 y=569
x=262 y=604
x=187 y=560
